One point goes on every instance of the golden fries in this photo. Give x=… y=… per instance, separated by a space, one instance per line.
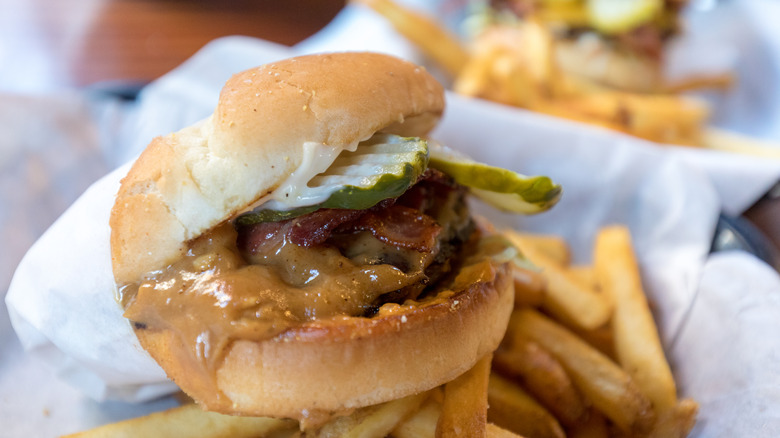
x=190 y=421
x=464 y=410
x=637 y=345
x=554 y=247
x=421 y=424
x=603 y=382
x=530 y=286
x=436 y=41
x=515 y=410
x=584 y=275
x=565 y=297
x=494 y=431
x=721 y=140
x=374 y=421
x=676 y=422
x=594 y=427
x=602 y=338
x=543 y=377
x=610 y=380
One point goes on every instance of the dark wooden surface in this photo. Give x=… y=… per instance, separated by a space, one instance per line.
x=51 y=44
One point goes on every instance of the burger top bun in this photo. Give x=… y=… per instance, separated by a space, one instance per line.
x=187 y=182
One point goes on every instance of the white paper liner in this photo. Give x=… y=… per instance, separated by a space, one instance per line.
x=62 y=306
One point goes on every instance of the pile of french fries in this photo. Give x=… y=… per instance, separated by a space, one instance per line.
x=515 y=65
x=581 y=358
x=518 y=64
x=582 y=355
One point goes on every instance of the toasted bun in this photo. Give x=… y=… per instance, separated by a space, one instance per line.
x=187 y=182
x=332 y=366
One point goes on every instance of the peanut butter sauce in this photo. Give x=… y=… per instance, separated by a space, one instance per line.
x=213 y=296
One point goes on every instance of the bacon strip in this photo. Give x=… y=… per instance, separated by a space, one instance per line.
x=315 y=228
x=399 y=226
x=253 y=237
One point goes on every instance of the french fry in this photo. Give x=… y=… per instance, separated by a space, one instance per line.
x=554 y=247
x=511 y=65
x=637 y=344
x=721 y=82
x=565 y=297
x=594 y=427
x=530 y=286
x=676 y=422
x=464 y=410
x=722 y=140
x=601 y=338
x=605 y=384
x=433 y=39
x=585 y=275
x=543 y=376
x=374 y=421
x=660 y=118
x=513 y=409
x=190 y=421
x=474 y=78
x=421 y=424
x=494 y=431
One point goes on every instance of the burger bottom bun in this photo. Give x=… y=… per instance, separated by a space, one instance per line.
x=325 y=367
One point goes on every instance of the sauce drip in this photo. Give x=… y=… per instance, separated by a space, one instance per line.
x=213 y=295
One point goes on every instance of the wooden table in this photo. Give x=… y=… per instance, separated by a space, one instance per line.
x=51 y=44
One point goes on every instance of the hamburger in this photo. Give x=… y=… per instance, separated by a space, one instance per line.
x=305 y=251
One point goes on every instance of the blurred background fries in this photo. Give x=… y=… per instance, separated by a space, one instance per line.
x=594 y=61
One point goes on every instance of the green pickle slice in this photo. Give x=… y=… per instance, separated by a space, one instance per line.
x=501 y=188
x=385 y=166
x=382 y=167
